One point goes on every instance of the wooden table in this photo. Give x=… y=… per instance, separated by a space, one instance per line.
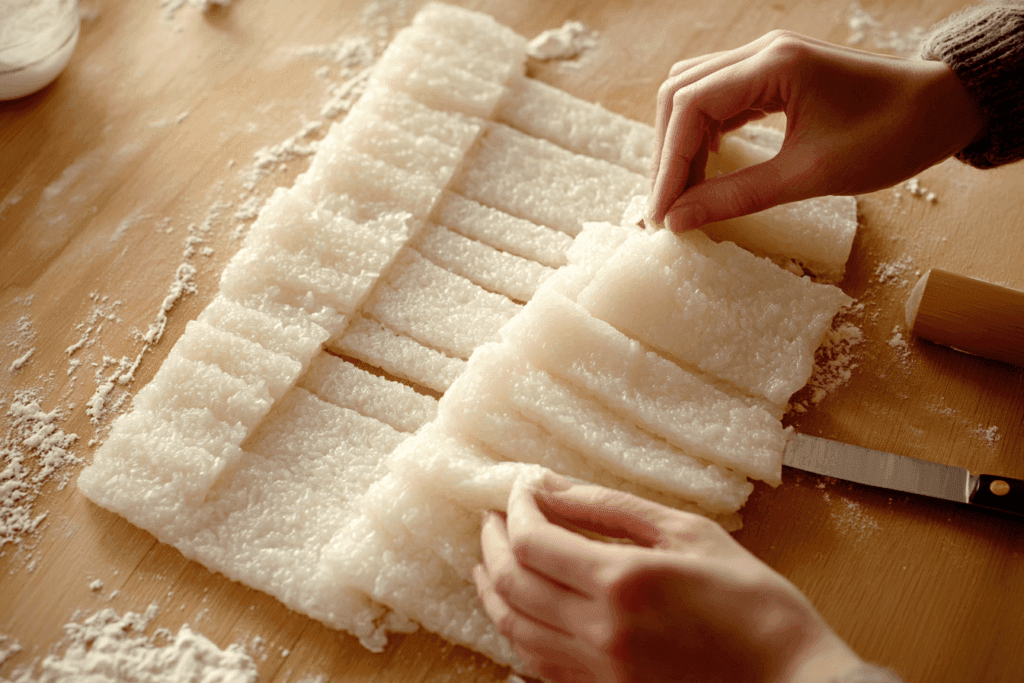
x=153 y=127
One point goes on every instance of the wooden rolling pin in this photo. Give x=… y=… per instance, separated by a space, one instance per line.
x=969 y=315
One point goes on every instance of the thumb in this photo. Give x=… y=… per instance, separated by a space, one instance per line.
x=742 y=192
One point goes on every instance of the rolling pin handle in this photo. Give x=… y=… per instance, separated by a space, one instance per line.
x=968 y=315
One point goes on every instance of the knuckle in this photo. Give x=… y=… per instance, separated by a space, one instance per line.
x=787 y=47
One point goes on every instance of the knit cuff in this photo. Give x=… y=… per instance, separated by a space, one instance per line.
x=867 y=673
x=984 y=46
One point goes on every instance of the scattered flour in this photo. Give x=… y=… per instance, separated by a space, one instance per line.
x=96 y=586
x=106 y=647
x=989 y=434
x=863 y=27
x=22 y=360
x=916 y=189
x=893 y=272
x=33 y=450
x=567 y=42
x=834 y=362
x=8 y=648
x=850 y=518
x=268 y=159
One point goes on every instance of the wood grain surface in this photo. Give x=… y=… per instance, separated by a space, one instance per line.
x=153 y=127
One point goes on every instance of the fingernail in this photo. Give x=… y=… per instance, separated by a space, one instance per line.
x=683 y=218
x=555 y=483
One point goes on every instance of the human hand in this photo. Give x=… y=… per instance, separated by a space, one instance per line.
x=681 y=601
x=855 y=122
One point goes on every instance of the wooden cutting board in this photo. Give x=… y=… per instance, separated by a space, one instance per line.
x=153 y=128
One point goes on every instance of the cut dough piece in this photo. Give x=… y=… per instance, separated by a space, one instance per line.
x=614 y=444
x=339 y=382
x=543 y=183
x=436 y=307
x=151 y=472
x=817 y=233
x=732 y=430
x=450 y=128
x=238 y=357
x=718 y=308
x=480 y=32
x=457 y=52
x=544 y=111
x=501 y=230
x=269 y=520
x=182 y=383
x=276 y=289
x=297 y=339
x=374 y=186
x=302 y=281
x=330 y=239
x=410 y=579
x=435 y=82
x=396 y=354
x=496 y=271
x=478 y=410
x=388 y=142
x=591 y=248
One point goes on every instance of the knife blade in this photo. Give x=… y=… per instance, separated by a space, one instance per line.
x=903 y=473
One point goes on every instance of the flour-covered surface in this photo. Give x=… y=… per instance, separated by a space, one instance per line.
x=140 y=170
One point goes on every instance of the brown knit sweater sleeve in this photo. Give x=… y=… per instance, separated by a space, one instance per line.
x=984 y=46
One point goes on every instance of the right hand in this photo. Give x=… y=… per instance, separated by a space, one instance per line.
x=855 y=122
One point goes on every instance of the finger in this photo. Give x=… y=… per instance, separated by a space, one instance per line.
x=739 y=193
x=553 y=551
x=751 y=84
x=539 y=646
x=690 y=71
x=523 y=590
x=607 y=512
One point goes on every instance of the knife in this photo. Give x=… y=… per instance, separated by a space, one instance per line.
x=901 y=473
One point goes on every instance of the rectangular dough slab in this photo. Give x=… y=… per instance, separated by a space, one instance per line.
x=717 y=308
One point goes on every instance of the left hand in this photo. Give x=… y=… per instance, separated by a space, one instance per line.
x=679 y=601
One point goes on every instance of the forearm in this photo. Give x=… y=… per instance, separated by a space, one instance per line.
x=984 y=46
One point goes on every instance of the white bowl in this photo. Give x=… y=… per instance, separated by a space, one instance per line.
x=36 y=59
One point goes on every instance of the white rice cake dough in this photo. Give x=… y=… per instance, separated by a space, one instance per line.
x=280 y=288
x=817 y=233
x=435 y=81
x=289 y=221
x=268 y=520
x=539 y=181
x=451 y=129
x=265 y=274
x=455 y=51
x=298 y=339
x=372 y=186
x=438 y=308
x=410 y=579
x=182 y=383
x=338 y=381
x=397 y=354
x=496 y=271
x=501 y=230
x=497 y=376
x=686 y=410
x=478 y=31
x=156 y=473
x=591 y=248
x=238 y=357
x=544 y=111
x=717 y=308
x=388 y=142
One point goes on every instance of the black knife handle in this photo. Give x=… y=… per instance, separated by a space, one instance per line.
x=999 y=493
